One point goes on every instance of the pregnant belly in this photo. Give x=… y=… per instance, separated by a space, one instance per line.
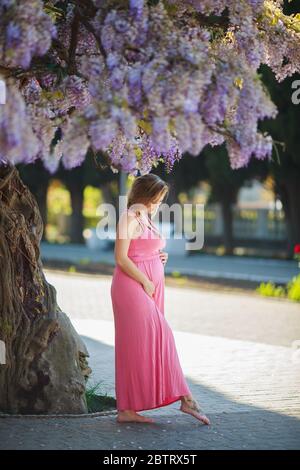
x=153 y=268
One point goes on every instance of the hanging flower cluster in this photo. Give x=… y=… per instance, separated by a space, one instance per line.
x=141 y=81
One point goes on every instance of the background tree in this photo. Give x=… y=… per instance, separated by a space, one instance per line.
x=226 y=184
x=93 y=171
x=285 y=166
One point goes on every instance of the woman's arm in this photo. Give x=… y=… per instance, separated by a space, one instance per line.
x=127 y=229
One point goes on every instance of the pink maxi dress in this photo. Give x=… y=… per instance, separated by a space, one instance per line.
x=148 y=373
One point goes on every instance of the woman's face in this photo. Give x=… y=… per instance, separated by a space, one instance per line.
x=153 y=206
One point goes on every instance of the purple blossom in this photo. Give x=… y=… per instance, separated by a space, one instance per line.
x=189 y=86
x=102 y=133
x=136 y=7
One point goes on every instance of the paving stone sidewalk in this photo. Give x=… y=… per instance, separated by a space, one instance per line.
x=248 y=384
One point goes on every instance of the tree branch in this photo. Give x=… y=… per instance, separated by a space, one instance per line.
x=213 y=20
x=91 y=29
x=73 y=44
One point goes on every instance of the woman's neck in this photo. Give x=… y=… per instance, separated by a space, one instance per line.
x=144 y=213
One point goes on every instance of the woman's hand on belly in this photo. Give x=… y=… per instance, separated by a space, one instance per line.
x=163 y=256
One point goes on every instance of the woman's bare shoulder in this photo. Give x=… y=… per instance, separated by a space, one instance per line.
x=127 y=216
x=128 y=220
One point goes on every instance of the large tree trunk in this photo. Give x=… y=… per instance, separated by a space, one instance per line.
x=45 y=368
x=40 y=195
x=37 y=178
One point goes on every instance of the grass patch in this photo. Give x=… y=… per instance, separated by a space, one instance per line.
x=97 y=400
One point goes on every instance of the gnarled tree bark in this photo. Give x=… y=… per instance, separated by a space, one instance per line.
x=46 y=367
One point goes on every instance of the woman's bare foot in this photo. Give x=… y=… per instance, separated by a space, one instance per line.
x=130 y=416
x=189 y=405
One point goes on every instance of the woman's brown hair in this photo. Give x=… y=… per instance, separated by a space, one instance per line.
x=147 y=189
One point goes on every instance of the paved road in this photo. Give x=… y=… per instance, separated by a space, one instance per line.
x=238 y=353
x=203 y=265
x=218 y=313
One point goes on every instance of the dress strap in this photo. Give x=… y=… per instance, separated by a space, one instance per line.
x=153 y=227
x=139 y=219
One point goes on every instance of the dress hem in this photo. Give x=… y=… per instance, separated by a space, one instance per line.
x=164 y=403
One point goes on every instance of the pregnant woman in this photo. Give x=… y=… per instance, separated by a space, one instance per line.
x=148 y=373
